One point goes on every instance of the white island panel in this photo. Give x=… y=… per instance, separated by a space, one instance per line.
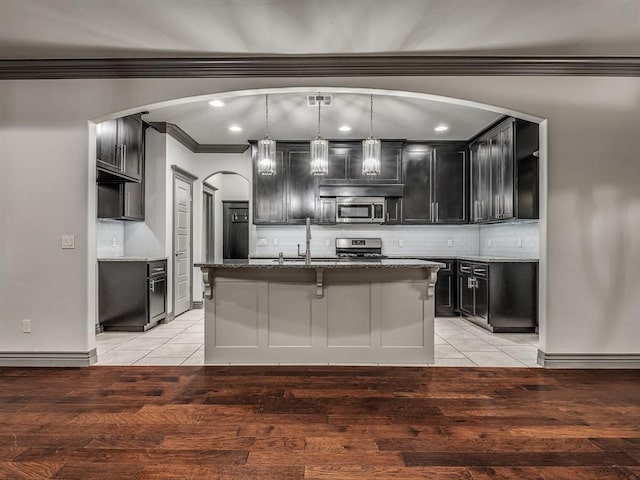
x=289 y=314
x=321 y=314
x=349 y=315
x=235 y=320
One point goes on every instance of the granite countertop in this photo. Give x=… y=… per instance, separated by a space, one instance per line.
x=130 y=259
x=326 y=263
x=474 y=258
x=470 y=258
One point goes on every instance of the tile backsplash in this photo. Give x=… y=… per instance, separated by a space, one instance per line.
x=520 y=240
x=110 y=238
x=436 y=240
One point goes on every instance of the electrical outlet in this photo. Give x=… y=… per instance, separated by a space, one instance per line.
x=450 y=243
x=519 y=242
x=488 y=242
x=262 y=242
x=68 y=241
x=26 y=326
x=275 y=242
x=401 y=243
x=327 y=242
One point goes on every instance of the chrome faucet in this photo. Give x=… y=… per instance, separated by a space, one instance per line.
x=307 y=253
x=307 y=256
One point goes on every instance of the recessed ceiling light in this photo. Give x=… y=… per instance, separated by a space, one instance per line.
x=235 y=128
x=345 y=128
x=441 y=128
x=216 y=103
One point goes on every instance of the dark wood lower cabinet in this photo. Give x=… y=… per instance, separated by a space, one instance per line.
x=499 y=296
x=446 y=290
x=132 y=295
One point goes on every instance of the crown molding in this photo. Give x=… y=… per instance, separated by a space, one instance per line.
x=317 y=66
x=188 y=141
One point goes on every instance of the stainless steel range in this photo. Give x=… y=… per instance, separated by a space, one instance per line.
x=359 y=248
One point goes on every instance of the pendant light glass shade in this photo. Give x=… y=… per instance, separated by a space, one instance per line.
x=371 y=149
x=266 y=148
x=319 y=156
x=371 y=154
x=266 y=156
x=319 y=152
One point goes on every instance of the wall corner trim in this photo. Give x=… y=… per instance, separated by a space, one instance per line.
x=178 y=134
x=48 y=359
x=588 y=360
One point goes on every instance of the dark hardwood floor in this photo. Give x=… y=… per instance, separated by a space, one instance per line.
x=318 y=423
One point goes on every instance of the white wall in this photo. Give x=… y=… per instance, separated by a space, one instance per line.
x=589 y=230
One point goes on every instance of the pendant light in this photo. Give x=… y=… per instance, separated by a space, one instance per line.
x=319 y=152
x=266 y=147
x=371 y=149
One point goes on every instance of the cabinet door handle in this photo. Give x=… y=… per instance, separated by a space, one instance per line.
x=152 y=286
x=465 y=269
x=470 y=282
x=124 y=151
x=437 y=212
x=431 y=212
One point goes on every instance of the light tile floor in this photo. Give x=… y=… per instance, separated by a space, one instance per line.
x=458 y=343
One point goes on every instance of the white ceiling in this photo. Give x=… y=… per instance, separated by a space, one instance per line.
x=137 y=28
x=130 y=28
x=291 y=119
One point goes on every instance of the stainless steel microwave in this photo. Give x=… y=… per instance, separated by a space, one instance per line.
x=360 y=210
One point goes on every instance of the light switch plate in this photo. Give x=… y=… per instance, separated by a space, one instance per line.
x=519 y=242
x=275 y=242
x=262 y=242
x=450 y=243
x=401 y=243
x=488 y=242
x=68 y=241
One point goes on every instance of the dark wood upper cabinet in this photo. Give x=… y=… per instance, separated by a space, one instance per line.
x=435 y=183
x=417 y=206
x=119 y=197
x=450 y=184
x=390 y=164
x=394 y=210
x=269 y=193
x=302 y=187
x=480 y=188
x=120 y=149
x=121 y=201
x=504 y=173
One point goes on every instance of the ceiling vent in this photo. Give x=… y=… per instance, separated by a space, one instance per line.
x=322 y=100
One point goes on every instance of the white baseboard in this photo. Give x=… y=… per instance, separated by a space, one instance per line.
x=588 y=360
x=48 y=359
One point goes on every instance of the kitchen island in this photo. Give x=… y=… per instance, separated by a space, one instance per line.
x=274 y=311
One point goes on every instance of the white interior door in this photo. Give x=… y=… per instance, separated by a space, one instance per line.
x=183 y=264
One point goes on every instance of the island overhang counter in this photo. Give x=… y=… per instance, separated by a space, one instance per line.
x=322 y=312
